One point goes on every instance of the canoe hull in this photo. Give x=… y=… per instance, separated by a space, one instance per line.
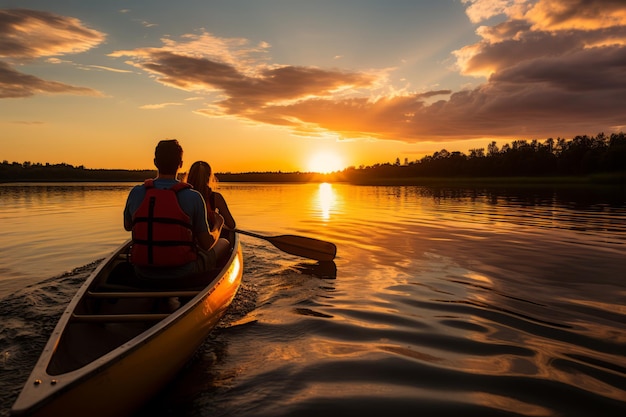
x=122 y=380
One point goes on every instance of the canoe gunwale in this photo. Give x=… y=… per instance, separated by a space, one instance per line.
x=42 y=388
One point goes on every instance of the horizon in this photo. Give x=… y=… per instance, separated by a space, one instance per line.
x=297 y=86
x=553 y=145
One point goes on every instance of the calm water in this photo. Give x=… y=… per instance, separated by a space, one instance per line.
x=443 y=302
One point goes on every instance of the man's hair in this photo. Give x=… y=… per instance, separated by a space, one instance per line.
x=167 y=156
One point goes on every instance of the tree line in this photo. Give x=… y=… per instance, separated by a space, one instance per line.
x=28 y=171
x=580 y=156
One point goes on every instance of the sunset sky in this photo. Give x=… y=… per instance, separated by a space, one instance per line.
x=298 y=85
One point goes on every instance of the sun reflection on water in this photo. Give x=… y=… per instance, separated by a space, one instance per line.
x=326 y=198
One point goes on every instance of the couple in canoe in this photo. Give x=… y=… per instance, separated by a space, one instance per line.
x=176 y=226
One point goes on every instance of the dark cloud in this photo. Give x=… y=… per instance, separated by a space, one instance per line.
x=584 y=70
x=14 y=84
x=29 y=34
x=552 y=68
x=247 y=95
x=268 y=85
x=557 y=69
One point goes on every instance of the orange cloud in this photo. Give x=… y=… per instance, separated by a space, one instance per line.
x=481 y=10
x=577 y=14
x=30 y=34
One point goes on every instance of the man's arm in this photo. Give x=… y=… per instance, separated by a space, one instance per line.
x=128 y=209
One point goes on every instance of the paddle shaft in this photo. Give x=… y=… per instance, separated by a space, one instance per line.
x=299 y=245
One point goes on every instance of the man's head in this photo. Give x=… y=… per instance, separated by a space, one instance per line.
x=168 y=156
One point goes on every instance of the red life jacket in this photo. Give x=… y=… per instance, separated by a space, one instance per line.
x=162 y=232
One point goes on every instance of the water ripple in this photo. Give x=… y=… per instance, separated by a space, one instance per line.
x=445 y=302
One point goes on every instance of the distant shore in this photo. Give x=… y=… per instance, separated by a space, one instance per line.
x=610 y=179
x=581 y=161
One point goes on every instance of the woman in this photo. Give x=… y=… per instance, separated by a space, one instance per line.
x=201 y=177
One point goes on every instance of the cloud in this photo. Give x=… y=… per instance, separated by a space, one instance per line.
x=26 y=35
x=577 y=14
x=108 y=68
x=14 y=84
x=549 y=68
x=158 y=106
x=481 y=10
x=228 y=65
x=234 y=52
x=555 y=67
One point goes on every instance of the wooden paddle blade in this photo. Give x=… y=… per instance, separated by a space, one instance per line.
x=305 y=246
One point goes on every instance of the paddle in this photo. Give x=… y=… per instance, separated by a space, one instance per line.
x=299 y=245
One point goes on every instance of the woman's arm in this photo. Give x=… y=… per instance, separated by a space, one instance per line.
x=222 y=208
x=207 y=240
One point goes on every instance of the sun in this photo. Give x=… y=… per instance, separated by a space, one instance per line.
x=325 y=162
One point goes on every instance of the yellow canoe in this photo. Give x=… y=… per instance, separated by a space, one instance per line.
x=116 y=345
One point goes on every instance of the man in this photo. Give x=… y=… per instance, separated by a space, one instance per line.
x=171 y=236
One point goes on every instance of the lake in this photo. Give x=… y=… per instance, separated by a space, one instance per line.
x=441 y=301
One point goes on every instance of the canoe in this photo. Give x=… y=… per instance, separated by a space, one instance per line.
x=121 y=340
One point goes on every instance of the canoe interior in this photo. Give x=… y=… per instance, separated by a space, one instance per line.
x=117 y=307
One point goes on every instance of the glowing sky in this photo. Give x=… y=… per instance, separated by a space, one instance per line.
x=270 y=85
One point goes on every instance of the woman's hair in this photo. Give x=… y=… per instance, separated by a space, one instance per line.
x=201 y=177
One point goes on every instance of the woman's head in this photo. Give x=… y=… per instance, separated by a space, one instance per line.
x=201 y=177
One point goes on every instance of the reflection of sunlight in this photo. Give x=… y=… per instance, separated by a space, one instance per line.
x=478 y=277
x=326 y=198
